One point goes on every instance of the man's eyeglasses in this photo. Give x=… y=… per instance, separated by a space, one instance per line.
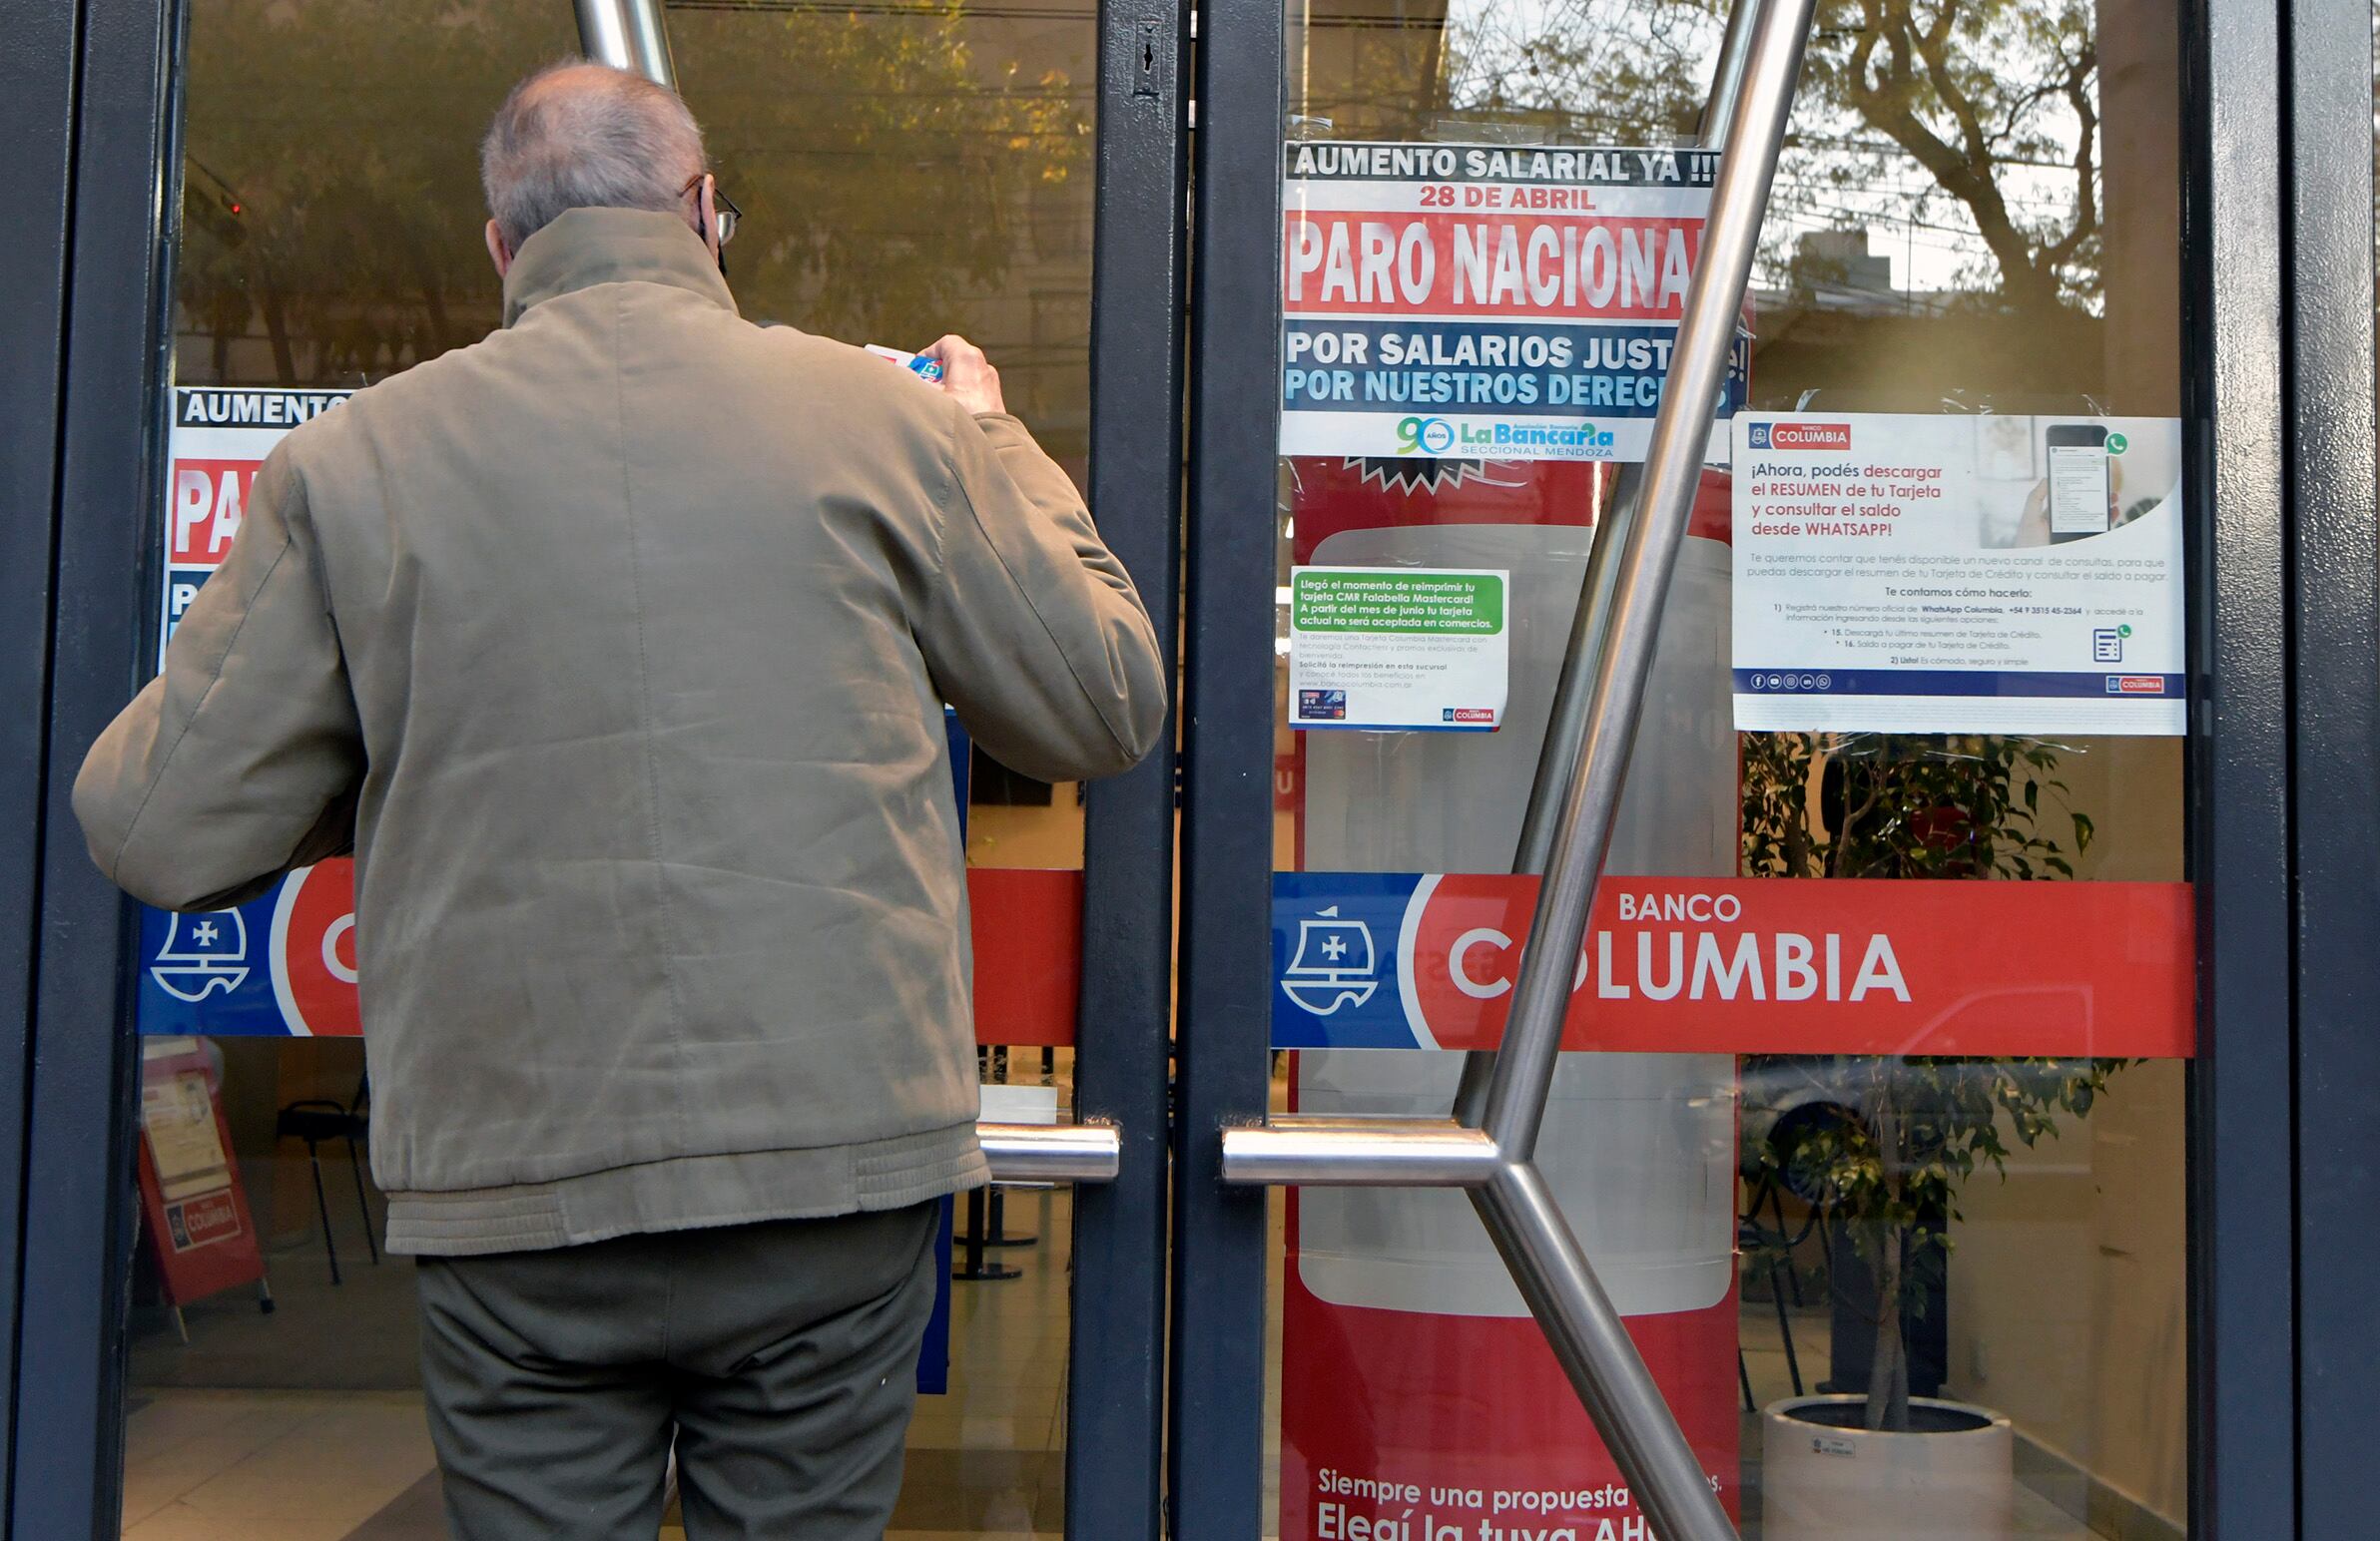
x=729 y=214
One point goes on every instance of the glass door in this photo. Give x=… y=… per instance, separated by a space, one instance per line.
x=903 y=171
x=1869 y=1117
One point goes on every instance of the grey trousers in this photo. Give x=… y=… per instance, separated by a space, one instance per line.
x=781 y=1358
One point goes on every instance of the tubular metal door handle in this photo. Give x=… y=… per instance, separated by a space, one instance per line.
x=1051 y=1153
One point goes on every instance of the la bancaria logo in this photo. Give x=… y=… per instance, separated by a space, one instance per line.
x=1435 y=436
x=1801 y=436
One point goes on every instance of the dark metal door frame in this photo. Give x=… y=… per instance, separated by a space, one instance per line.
x=1223 y=1038
x=1115 y=1374
x=75 y=1080
x=2243 y=1335
x=2333 y=565
x=39 y=77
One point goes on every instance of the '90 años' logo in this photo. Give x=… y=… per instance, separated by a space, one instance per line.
x=1425 y=436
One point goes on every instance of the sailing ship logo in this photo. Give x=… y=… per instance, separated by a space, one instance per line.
x=201 y=955
x=1334 y=965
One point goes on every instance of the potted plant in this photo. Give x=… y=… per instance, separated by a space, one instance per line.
x=1883 y=1147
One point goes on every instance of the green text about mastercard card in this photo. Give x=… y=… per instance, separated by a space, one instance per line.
x=1391 y=649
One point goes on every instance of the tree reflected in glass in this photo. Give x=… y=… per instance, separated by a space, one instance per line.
x=897 y=161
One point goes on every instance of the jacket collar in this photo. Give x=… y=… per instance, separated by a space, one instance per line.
x=587 y=246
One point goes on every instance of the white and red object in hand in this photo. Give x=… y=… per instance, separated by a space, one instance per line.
x=927 y=370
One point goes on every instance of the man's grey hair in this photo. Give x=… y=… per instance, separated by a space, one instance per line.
x=580 y=135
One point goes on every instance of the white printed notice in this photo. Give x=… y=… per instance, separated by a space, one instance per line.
x=220 y=441
x=1958 y=574
x=1485 y=302
x=1397 y=649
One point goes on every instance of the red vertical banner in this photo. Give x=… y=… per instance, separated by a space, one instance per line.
x=1419 y=1399
x=1435 y=1427
x=1028 y=931
x=193 y=1208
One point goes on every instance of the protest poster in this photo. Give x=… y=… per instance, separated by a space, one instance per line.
x=1486 y=301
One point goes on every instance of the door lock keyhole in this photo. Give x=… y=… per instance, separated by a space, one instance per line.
x=1146 y=81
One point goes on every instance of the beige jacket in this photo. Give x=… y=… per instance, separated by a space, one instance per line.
x=617 y=646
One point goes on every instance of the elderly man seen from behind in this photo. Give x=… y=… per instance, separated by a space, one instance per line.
x=616 y=647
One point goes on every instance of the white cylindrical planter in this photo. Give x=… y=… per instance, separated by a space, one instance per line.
x=1824 y=1477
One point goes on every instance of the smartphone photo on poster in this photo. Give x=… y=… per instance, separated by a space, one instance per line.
x=2080 y=501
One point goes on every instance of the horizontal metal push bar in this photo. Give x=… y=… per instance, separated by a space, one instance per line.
x=1051 y=1153
x=1295 y=1148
